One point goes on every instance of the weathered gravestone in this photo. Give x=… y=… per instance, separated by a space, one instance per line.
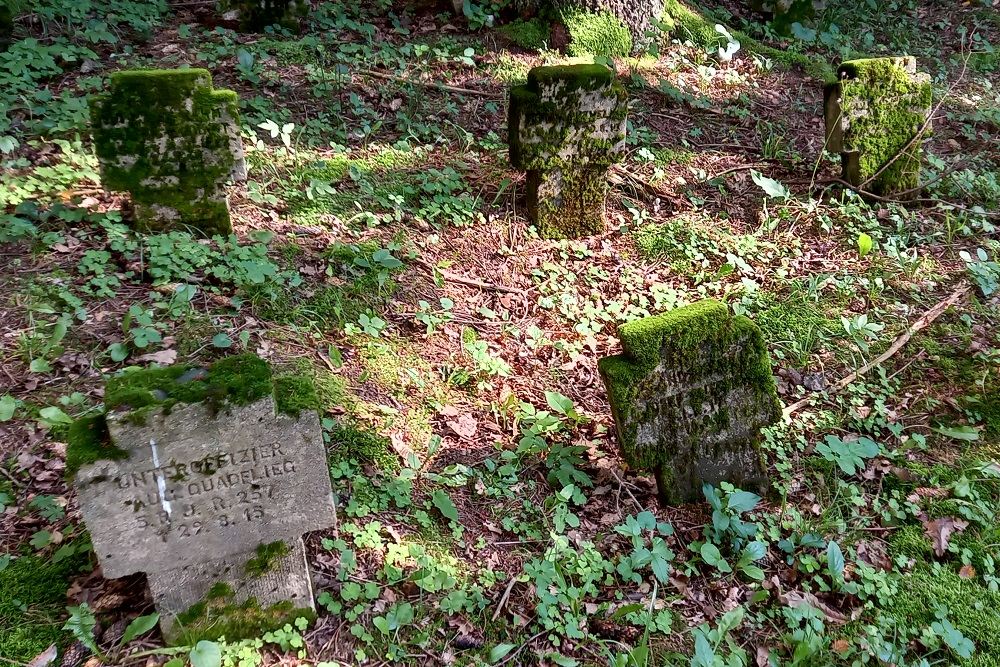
x=689 y=395
x=784 y=13
x=876 y=118
x=255 y=15
x=206 y=479
x=566 y=128
x=172 y=141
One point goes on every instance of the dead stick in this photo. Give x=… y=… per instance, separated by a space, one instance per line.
x=427 y=84
x=917 y=325
x=453 y=278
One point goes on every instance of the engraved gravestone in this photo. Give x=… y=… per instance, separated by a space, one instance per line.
x=689 y=395
x=205 y=481
x=566 y=128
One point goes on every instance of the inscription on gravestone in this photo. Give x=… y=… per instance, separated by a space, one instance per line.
x=195 y=492
x=689 y=395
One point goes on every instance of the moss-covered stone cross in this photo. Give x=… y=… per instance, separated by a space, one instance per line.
x=205 y=479
x=877 y=118
x=172 y=141
x=689 y=395
x=566 y=128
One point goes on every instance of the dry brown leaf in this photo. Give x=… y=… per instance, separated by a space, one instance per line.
x=465 y=426
x=841 y=646
x=940 y=530
x=163 y=357
x=967 y=572
x=796 y=599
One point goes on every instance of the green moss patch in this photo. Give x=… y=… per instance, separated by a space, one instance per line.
x=216 y=616
x=88 y=441
x=267 y=555
x=597 y=34
x=33 y=605
x=972 y=608
x=532 y=34
x=240 y=379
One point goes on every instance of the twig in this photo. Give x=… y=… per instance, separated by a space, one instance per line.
x=453 y=278
x=921 y=322
x=427 y=84
x=623 y=175
x=503 y=598
x=742 y=167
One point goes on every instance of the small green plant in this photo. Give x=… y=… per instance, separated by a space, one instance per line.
x=849 y=455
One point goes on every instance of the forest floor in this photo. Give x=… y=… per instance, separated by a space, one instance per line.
x=381 y=245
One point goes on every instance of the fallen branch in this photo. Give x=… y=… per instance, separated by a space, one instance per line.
x=472 y=282
x=918 y=324
x=427 y=84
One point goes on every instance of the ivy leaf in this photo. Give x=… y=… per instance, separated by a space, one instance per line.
x=799 y=31
x=139 y=626
x=222 y=340
x=41 y=539
x=442 y=501
x=206 y=654
x=39 y=366
x=118 y=352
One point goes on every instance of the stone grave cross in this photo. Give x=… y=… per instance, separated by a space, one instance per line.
x=689 y=395
x=566 y=128
x=172 y=141
x=877 y=118
x=206 y=482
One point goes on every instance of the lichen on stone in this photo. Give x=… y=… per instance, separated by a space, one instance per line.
x=172 y=141
x=689 y=393
x=566 y=127
x=876 y=118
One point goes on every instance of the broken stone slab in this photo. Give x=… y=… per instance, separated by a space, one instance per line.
x=566 y=128
x=877 y=116
x=205 y=478
x=689 y=395
x=172 y=141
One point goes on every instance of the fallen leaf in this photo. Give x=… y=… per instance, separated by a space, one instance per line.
x=465 y=426
x=796 y=599
x=45 y=658
x=940 y=530
x=163 y=357
x=967 y=572
x=841 y=646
